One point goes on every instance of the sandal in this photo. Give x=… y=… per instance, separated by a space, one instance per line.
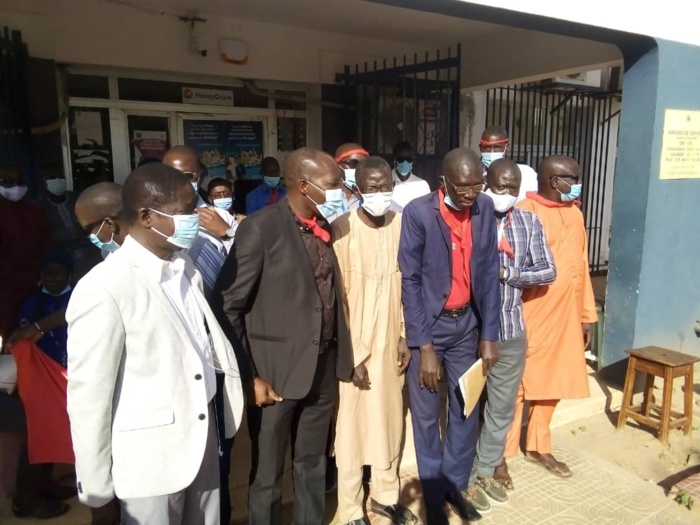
x=502 y=477
x=550 y=463
x=41 y=509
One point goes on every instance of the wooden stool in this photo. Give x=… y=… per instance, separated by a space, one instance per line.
x=668 y=364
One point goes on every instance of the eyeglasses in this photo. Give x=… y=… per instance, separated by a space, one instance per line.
x=387 y=188
x=351 y=163
x=465 y=190
x=574 y=178
x=194 y=177
x=405 y=159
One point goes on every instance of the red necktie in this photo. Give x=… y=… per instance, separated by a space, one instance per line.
x=316 y=229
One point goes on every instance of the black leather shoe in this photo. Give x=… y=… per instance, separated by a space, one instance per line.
x=398 y=514
x=436 y=516
x=462 y=507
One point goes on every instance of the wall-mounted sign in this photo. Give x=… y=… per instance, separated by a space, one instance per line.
x=680 y=150
x=232 y=149
x=209 y=97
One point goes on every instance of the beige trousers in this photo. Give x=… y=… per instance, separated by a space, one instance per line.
x=384 y=490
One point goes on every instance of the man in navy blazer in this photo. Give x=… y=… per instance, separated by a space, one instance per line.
x=448 y=257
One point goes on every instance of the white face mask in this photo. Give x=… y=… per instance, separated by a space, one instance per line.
x=350 y=178
x=56 y=186
x=13 y=193
x=377 y=204
x=502 y=202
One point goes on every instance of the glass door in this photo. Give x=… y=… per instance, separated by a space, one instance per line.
x=149 y=137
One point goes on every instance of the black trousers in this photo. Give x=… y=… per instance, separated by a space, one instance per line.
x=307 y=421
x=225 y=446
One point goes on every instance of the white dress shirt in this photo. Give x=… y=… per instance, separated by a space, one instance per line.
x=528 y=182
x=178 y=289
x=405 y=191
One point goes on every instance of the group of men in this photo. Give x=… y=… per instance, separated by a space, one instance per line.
x=318 y=305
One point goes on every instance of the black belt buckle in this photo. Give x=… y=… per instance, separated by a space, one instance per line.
x=455 y=312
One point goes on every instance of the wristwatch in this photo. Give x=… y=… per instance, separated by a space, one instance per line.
x=230 y=232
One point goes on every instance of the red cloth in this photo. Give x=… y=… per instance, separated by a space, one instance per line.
x=319 y=232
x=25 y=237
x=460 y=225
x=273 y=196
x=42 y=385
x=503 y=244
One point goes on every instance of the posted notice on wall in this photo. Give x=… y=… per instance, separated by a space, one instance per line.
x=209 y=97
x=680 y=149
x=149 y=145
x=232 y=149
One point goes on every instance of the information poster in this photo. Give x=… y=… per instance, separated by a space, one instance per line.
x=150 y=145
x=680 y=150
x=232 y=149
x=244 y=149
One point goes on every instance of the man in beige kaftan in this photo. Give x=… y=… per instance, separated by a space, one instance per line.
x=371 y=415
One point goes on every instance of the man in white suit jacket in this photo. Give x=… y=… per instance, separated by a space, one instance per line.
x=143 y=347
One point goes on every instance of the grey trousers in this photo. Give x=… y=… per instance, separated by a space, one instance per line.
x=502 y=386
x=197 y=504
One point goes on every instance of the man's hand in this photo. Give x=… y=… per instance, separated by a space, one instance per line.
x=212 y=221
x=29 y=333
x=262 y=394
x=109 y=514
x=360 y=377
x=430 y=370
x=404 y=356
x=489 y=355
x=587 y=334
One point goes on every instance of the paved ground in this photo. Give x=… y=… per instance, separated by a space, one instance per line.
x=599 y=493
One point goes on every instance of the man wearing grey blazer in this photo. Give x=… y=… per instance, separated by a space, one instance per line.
x=143 y=348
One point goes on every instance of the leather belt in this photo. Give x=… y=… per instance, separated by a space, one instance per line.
x=455 y=312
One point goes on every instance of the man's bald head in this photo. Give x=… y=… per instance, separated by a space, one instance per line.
x=308 y=173
x=500 y=168
x=556 y=165
x=305 y=161
x=152 y=186
x=103 y=199
x=184 y=159
x=350 y=151
x=461 y=161
x=556 y=175
x=494 y=133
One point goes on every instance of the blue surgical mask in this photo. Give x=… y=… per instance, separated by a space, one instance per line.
x=487 y=157
x=350 y=178
x=448 y=200
x=333 y=204
x=110 y=246
x=186 y=229
x=65 y=290
x=224 y=204
x=271 y=182
x=573 y=195
x=404 y=168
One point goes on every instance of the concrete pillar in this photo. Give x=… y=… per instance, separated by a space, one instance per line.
x=653 y=295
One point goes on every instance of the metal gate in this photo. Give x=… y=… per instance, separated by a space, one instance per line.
x=542 y=121
x=414 y=100
x=15 y=127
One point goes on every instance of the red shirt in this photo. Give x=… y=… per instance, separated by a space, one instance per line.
x=460 y=225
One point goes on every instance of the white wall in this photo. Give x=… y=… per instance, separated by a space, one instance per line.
x=672 y=19
x=108 y=34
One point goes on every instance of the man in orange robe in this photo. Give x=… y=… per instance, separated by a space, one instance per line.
x=559 y=318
